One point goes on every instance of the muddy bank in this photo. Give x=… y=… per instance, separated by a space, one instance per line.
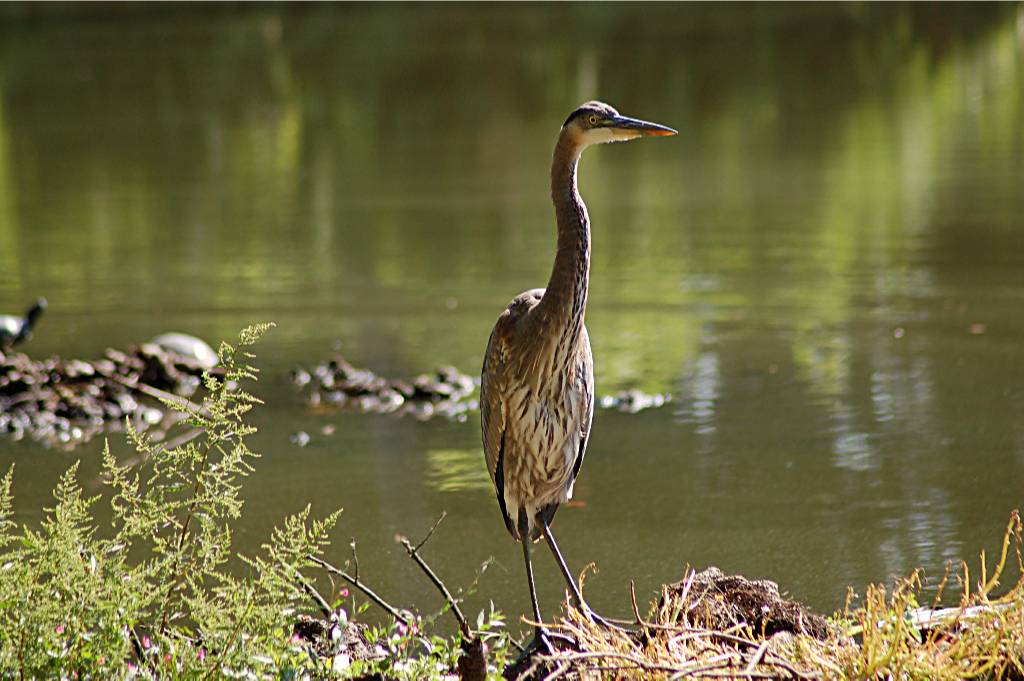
x=727 y=618
x=715 y=626
x=718 y=626
x=715 y=600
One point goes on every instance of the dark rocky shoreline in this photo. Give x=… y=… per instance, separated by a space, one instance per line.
x=64 y=402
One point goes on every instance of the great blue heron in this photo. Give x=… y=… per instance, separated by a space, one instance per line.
x=537 y=387
x=15 y=329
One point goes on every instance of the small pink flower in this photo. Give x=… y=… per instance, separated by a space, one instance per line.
x=167 y=658
x=295 y=639
x=131 y=667
x=59 y=629
x=202 y=654
x=101 y=660
x=344 y=593
x=402 y=629
x=146 y=643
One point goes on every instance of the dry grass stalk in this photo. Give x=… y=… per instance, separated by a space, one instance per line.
x=887 y=636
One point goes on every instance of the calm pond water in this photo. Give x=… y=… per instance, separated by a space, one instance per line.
x=825 y=268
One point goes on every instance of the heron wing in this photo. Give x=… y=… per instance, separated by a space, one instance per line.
x=496 y=383
x=585 y=374
x=492 y=413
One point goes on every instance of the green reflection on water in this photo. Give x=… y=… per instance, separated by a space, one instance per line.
x=456 y=470
x=8 y=225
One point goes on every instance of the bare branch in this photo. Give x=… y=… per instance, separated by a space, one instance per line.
x=362 y=587
x=355 y=556
x=430 y=532
x=412 y=551
x=755 y=659
x=320 y=601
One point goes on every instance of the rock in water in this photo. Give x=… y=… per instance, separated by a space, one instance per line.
x=187 y=346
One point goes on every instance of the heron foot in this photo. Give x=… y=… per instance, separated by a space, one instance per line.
x=589 y=613
x=541 y=643
x=544 y=643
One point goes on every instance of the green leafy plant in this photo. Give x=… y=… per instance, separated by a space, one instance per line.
x=157 y=596
x=160 y=594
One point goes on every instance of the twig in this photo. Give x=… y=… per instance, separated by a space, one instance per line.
x=362 y=587
x=681 y=627
x=412 y=551
x=601 y=655
x=214 y=668
x=636 y=610
x=755 y=658
x=140 y=652
x=632 y=600
x=793 y=671
x=518 y=646
x=731 y=675
x=176 y=576
x=162 y=395
x=182 y=439
x=709 y=672
x=688 y=634
x=638 y=663
x=750 y=644
x=701 y=671
x=355 y=556
x=532 y=667
x=562 y=668
x=430 y=532
x=739 y=640
x=320 y=601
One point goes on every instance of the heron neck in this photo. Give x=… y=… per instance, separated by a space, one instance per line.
x=33 y=314
x=565 y=298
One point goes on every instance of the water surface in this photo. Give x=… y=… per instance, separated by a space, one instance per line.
x=825 y=268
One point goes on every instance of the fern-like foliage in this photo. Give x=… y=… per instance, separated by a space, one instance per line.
x=154 y=597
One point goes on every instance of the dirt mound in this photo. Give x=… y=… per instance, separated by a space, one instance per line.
x=715 y=600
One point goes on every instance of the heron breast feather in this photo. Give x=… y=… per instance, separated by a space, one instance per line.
x=544 y=438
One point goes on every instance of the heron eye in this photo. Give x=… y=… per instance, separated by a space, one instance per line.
x=592 y=119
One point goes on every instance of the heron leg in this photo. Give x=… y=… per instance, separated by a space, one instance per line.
x=580 y=604
x=527 y=548
x=540 y=638
x=557 y=553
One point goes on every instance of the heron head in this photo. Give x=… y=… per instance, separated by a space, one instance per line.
x=598 y=123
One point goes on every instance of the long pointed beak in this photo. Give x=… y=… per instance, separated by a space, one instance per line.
x=643 y=127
